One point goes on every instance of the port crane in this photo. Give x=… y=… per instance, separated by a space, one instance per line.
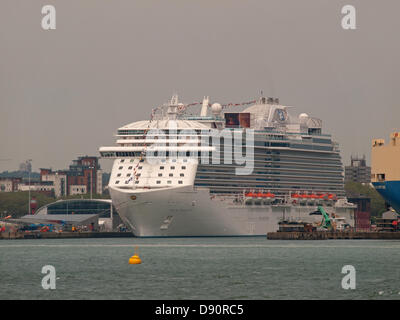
x=327 y=222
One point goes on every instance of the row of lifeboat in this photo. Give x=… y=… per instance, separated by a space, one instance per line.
x=259 y=195
x=312 y=199
x=324 y=196
x=259 y=198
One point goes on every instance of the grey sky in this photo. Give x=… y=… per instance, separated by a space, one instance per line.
x=63 y=93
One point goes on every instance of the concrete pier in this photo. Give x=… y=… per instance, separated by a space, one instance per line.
x=62 y=235
x=326 y=235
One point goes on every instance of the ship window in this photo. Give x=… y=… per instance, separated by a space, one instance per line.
x=141 y=160
x=180 y=182
x=162 y=167
x=182 y=174
x=120 y=168
x=172 y=167
x=160 y=174
x=118 y=175
x=122 y=160
x=132 y=160
x=171 y=174
x=158 y=181
x=173 y=160
x=130 y=168
x=126 y=182
x=183 y=167
x=116 y=182
x=128 y=175
x=137 y=181
x=169 y=181
x=138 y=175
x=140 y=167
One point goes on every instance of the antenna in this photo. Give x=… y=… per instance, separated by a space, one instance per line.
x=262 y=99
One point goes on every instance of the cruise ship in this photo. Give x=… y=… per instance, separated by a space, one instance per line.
x=224 y=172
x=385 y=169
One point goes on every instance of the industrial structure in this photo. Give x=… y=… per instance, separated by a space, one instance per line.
x=83 y=214
x=385 y=171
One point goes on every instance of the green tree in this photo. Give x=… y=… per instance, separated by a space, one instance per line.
x=16 y=203
x=355 y=189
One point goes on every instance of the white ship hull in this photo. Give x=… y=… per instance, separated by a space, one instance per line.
x=184 y=212
x=167 y=170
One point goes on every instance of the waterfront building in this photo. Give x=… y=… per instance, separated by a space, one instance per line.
x=358 y=171
x=83 y=176
x=98 y=214
x=10 y=184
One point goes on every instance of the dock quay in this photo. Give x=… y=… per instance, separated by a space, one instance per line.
x=328 y=235
x=62 y=235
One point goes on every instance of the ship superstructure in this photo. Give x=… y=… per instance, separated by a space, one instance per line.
x=222 y=173
x=385 y=169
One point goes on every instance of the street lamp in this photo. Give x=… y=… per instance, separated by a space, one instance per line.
x=29 y=187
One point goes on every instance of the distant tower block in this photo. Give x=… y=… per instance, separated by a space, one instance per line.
x=358 y=171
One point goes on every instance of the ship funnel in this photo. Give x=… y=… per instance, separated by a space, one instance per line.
x=173 y=107
x=204 y=107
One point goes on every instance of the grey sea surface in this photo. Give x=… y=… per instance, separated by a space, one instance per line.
x=199 y=268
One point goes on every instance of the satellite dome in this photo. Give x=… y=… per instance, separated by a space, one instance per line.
x=216 y=108
x=303 y=117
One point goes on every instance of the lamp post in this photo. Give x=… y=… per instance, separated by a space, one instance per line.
x=29 y=187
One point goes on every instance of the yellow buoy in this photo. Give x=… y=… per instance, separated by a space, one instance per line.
x=135 y=258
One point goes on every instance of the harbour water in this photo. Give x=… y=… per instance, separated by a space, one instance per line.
x=199 y=268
